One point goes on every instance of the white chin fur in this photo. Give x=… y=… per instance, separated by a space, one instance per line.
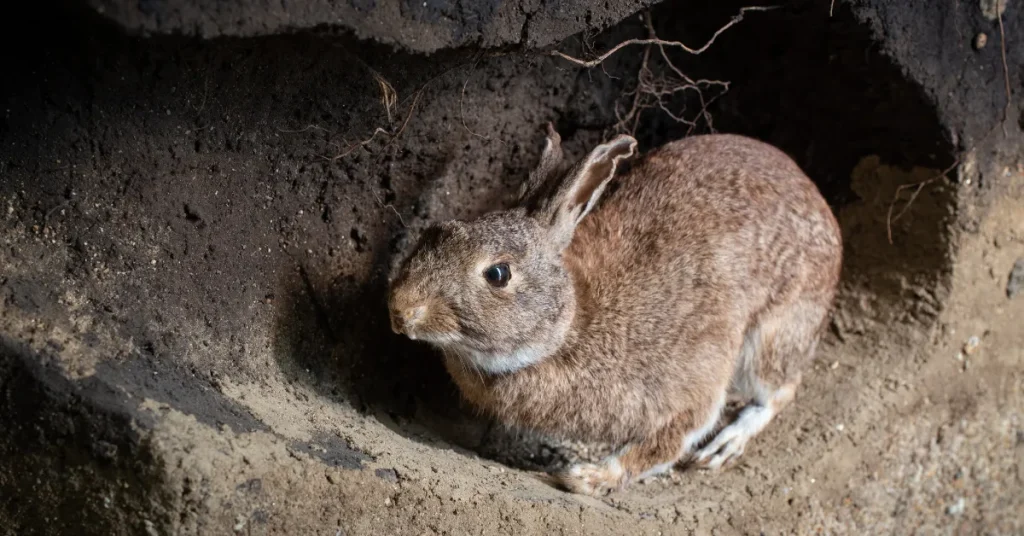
x=503 y=363
x=487 y=362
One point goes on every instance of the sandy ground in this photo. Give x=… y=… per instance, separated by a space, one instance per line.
x=903 y=429
x=185 y=225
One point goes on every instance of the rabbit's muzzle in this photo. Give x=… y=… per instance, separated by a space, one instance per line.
x=408 y=312
x=405 y=320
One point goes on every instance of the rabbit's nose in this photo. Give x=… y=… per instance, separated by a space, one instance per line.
x=405 y=319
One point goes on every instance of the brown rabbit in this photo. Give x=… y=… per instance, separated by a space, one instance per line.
x=708 y=273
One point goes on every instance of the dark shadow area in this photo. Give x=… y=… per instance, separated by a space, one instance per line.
x=64 y=446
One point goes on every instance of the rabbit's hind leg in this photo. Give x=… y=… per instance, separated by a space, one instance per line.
x=732 y=440
x=778 y=345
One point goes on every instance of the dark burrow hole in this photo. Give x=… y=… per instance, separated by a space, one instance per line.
x=814 y=85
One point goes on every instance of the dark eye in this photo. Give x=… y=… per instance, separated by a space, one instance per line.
x=498 y=275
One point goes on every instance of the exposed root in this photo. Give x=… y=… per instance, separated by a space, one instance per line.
x=655 y=41
x=653 y=92
x=303 y=129
x=388 y=96
x=917 y=186
x=383 y=205
x=412 y=108
x=1006 y=69
x=353 y=147
x=462 y=109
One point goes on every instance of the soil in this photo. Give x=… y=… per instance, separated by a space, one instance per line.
x=196 y=237
x=413 y=25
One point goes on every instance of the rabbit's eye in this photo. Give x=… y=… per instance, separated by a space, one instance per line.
x=498 y=275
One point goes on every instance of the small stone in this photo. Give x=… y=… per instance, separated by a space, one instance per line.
x=1015 y=282
x=971 y=345
x=980 y=41
x=992 y=9
x=387 y=501
x=957 y=508
x=387 y=474
x=840 y=427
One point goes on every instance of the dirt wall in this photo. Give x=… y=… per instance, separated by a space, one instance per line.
x=196 y=234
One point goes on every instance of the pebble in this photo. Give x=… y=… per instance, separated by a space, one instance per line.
x=971 y=345
x=980 y=41
x=387 y=474
x=957 y=508
x=1015 y=283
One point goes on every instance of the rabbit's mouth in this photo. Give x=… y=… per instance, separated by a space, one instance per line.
x=454 y=340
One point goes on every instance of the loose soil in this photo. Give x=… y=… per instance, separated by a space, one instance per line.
x=196 y=237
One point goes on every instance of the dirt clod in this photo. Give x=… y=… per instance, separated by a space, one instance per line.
x=1015 y=281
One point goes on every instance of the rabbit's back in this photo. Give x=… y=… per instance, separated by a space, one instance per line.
x=700 y=221
x=699 y=241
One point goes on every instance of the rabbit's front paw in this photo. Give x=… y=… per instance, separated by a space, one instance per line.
x=593 y=479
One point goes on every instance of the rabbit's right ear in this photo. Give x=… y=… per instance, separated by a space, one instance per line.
x=580 y=189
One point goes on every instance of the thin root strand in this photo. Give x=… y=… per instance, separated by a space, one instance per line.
x=661 y=42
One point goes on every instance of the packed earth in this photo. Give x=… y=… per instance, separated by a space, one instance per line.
x=200 y=205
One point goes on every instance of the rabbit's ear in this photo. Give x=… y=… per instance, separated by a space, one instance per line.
x=539 y=182
x=582 y=187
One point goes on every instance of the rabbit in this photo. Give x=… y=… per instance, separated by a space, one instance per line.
x=707 y=275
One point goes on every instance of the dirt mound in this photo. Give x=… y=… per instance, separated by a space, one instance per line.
x=196 y=236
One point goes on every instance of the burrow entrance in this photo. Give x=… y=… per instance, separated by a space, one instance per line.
x=222 y=213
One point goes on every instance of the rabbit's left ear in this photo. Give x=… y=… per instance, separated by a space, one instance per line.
x=537 y=185
x=582 y=187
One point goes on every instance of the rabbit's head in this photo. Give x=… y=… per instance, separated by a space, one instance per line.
x=494 y=290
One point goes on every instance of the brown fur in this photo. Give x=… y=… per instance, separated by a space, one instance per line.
x=710 y=270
